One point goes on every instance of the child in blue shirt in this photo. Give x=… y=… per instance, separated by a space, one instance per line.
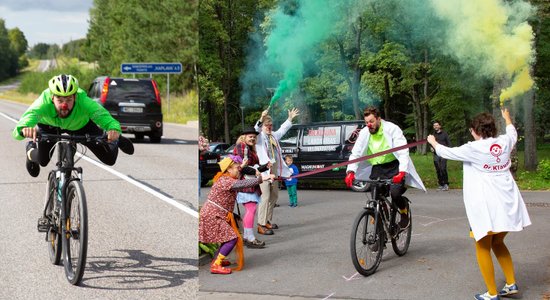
x=292 y=183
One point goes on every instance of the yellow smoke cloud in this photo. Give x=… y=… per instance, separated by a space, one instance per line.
x=493 y=37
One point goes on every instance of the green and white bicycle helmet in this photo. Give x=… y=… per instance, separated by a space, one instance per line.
x=63 y=85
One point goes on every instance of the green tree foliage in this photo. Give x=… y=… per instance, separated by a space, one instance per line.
x=74 y=49
x=40 y=51
x=8 y=57
x=144 y=31
x=223 y=34
x=19 y=45
x=390 y=53
x=541 y=25
x=18 y=41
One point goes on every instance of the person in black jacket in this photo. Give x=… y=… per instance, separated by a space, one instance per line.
x=440 y=163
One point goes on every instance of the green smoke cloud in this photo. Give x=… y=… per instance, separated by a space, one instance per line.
x=297 y=28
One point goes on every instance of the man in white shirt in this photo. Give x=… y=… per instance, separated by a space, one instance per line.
x=269 y=150
x=382 y=135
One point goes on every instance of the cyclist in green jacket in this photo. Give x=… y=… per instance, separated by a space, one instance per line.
x=65 y=108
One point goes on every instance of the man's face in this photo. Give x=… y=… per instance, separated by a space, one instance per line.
x=373 y=123
x=437 y=127
x=267 y=127
x=250 y=139
x=63 y=105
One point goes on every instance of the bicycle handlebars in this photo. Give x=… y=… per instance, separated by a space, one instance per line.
x=72 y=137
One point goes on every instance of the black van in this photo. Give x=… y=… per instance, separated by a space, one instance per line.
x=135 y=103
x=318 y=145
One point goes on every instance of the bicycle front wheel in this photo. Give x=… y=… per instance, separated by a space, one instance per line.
x=53 y=236
x=401 y=240
x=367 y=243
x=75 y=232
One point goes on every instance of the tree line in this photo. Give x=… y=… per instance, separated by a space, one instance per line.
x=389 y=56
x=128 y=32
x=13 y=46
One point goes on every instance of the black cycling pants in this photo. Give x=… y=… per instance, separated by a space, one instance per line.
x=105 y=152
x=387 y=171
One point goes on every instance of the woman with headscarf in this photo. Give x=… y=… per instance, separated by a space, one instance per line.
x=216 y=221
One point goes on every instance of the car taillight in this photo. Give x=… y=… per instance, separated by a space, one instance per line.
x=157 y=94
x=105 y=90
x=201 y=157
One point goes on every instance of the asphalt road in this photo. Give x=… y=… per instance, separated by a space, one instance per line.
x=142 y=222
x=309 y=256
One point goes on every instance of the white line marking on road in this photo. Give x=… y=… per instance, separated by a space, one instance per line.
x=8 y=117
x=142 y=186
x=328 y=296
x=352 y=277
x=437 y=220
x=130 y=180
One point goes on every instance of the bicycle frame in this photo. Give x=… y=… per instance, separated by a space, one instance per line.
x=380 y=215
x=68 y=221
x=382 y=206
x=63 y=175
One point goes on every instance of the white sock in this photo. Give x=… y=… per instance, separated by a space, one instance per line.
x=248 y=234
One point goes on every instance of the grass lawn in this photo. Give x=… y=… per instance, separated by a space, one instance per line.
x=425 y=168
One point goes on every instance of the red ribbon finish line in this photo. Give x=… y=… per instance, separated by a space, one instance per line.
x=345 y=163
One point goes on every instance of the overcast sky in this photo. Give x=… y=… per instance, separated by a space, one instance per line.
x=47 y=21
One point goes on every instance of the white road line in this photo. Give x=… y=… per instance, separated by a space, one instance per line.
x=8 y=117
x=352 y=277
x=140 y=185
x=437 y=220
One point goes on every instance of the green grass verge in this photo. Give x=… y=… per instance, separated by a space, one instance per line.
x=425 y=168
x=181 y=109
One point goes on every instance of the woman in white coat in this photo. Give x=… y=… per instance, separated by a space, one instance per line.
x=494 y=205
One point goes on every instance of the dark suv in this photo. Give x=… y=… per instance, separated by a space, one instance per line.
x=135 y=103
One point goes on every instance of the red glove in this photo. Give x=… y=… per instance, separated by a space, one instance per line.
x=349 y=179
x=399 y=177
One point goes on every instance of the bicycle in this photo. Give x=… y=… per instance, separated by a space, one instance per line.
x=378 y=220
x=65 y=215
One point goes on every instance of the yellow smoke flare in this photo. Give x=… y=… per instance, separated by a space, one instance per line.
x=521 y=84
x=493 y=37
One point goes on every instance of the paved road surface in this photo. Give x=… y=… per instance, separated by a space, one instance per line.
x=142 y=232
x=308 y=257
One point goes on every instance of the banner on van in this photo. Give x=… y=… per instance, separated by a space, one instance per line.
x=331 y=167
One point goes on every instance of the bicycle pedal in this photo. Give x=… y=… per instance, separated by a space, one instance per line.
x=43 y=225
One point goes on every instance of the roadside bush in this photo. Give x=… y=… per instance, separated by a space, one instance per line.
x=544 y=169
x=36 y=82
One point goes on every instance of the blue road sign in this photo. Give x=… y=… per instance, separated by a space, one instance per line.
x=158 y=68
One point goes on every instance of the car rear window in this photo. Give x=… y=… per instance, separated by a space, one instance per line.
x=121 y=90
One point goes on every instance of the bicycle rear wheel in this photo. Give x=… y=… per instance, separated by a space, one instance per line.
x=400 y=241
x=53 y=236
x=75 y=241
x=367 y=242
